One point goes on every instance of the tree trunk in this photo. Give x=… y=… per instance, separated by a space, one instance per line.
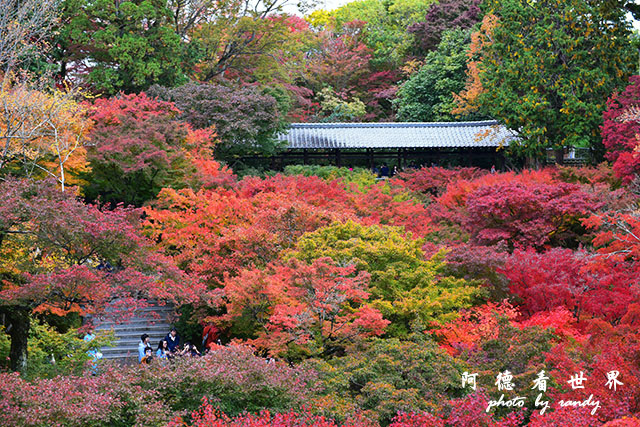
x=18 y=324
x=531 y=162
x=559 y=153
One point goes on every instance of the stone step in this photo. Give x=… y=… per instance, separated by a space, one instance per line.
x=164 y=318
x=138 y=330
x=120 y=355
x=144 y=314
x=135 y=326
x=149 y=305
x=119 y=352
x=133 y=343
x=154 y=321
x=123 y=359
x=154 y=326
x=159 y=318
x=113 y=351
x=134 y=321
x=135 y=335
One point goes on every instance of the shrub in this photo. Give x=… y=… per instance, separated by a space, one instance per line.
x=362 y=178
x=584 y=284
x=69 y=351
x=480 y=264
x=208 y=416
x=530 y=209
x=388 y=376
x=621 y=129
x=232 y=378
x=600 y=174
x=464 y=412
x=433 y=181
x=528 y=215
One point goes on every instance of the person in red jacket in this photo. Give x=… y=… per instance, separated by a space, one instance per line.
x=210 y=335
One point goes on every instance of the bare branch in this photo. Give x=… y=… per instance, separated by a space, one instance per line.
x=42 y=130
x=23 y=26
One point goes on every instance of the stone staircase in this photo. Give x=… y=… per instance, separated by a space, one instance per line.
x=128 y=333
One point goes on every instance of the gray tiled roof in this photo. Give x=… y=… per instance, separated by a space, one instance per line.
x=397 y=135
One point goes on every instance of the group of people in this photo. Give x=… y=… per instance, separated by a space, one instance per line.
x=168 y=348
x=384 y=172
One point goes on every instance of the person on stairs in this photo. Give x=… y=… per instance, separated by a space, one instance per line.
x=142 y=345
x=163 y=351
x=148 y=356
x=190 y=350
x=173 y=340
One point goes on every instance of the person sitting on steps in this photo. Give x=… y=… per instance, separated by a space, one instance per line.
x=148 y=356
x=142 y=345
x=163 y=351
x=190 y=350
x=173 y=340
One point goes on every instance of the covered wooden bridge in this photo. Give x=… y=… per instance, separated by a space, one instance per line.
x=395 y=144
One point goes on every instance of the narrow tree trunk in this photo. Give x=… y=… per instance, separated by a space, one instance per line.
x=63 y=70
x=18 y=328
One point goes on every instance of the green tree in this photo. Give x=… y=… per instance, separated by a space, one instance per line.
x=407 y=288
x=122 y=46
x=336 y=109
x=388 y=376
x=549 y=67
x=427 y=96
x=385 y=29
x=249 y=35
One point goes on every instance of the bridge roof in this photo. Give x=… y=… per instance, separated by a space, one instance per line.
x=397 y=135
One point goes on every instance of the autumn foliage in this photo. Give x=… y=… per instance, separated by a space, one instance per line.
x=140 y=165
x=362 y=284
x=369 y=299
x=620 y=130
x=322 y=306
x=139 y=146
x=43 y=132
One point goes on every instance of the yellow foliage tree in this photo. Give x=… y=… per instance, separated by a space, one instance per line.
x=42 y=132
x=467 y=100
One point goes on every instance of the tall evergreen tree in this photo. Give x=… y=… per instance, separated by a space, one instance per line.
x=122 y=46
x=547 y=68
